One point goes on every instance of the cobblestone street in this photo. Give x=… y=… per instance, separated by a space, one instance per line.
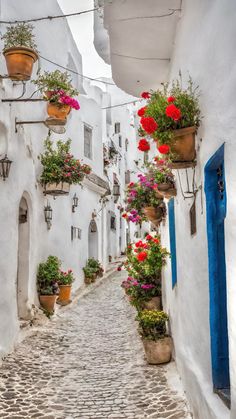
x=89 y=363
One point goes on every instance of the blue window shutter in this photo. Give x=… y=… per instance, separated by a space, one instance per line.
x=171 y=211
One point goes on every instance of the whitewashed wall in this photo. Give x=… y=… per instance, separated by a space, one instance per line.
x=55 y=42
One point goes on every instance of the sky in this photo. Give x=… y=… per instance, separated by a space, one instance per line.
x=82 y=30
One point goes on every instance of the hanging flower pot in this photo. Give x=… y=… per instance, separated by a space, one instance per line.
x=55 y=189
x=155 y=214
x=20 y=51
x=183 y=145
x=167 y=190
x=58 y=111
x=19 y=62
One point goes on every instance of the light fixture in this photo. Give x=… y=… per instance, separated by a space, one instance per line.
x=116 y=189
x=48 y=215
x=75 y=201
x=5 y=165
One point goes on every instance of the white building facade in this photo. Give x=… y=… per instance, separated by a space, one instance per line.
x=151 y=43
x=89 y=231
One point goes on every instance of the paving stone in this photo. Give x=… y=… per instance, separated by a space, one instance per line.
x=88 y=363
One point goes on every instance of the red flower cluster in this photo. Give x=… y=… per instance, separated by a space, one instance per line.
x=143 y=145
x=173 y=112
x=145 y=95
x=140 y=244
x=125 y=215
x=142 y=256
x=164 y=149
x=141 y=111
x=149 y=124
x=149 y=237
x=171 y=99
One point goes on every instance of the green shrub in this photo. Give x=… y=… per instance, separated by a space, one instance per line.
x=20 y=35
x=152 y=324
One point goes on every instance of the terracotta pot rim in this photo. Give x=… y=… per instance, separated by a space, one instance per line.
x=66 y=286
x=48 y=295
x=182 y=131
x=151 y=340
x=21 y=50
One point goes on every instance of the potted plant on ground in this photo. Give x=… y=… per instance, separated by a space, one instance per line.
x=20 y=51
x=89 y=275
x=171 y=118
x=60 y=168
x=96 y=266
x=58 y=91
x=157 y=344
x=65 y=285
x=143 y=295
x=48 y=276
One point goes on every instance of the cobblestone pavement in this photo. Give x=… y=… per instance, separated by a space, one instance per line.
x=89 y=363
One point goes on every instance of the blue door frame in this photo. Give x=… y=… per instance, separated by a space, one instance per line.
x=215 y=190
x=171 y=212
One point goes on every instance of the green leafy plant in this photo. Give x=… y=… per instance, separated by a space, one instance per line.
x=161 y=172
x=59 y=165
x=95 y=265
x=19 y=35
x=53 y=82
x=152 y=324
x=140 y=291
x=66 y=278
x=89 y=273
x=48 y=276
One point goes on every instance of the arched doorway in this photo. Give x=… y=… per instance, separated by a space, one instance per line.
x=22 y=286
x=93 y=240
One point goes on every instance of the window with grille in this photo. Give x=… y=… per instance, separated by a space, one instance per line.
x=88 y=142
x=117 y=127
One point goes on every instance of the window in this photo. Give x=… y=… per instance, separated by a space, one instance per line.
x=113 y=222
x=117 y=127
x=126 y=144
x=120 y=141
x=171 y=211
x=88 y=141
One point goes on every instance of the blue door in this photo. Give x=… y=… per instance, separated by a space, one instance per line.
x=215 y=190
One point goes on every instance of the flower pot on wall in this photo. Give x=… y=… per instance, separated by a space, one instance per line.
x=153 y=304
x=58 y=111
x=48 y=302
x=55 y=189
x=166 y=190
x=19 y=62
x=183 y=146
x=154 y=214
x=159 y=351
x=64 y=297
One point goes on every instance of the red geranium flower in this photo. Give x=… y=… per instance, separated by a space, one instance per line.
x=142 y=256
x=131 y=184
x=164 y=149
x=156 y=241
x=149 y=124
x=171 y=99
x=125 y=215
x=143 y=145
x=149 y=237
x=139 y=244
x=119 y=268
x=145 y=95
x=173 y=112
x=141 y=111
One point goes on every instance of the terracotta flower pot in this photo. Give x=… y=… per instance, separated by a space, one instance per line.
x=19 y=62
x=159 y=351
x=153 y=214
x=48 y=302
x=55 y=189
x=167 y=190
x=58 y=111
x=183 y=145
x=93 y=279
x=87 y=280
x=153 y=304
x=64 y=294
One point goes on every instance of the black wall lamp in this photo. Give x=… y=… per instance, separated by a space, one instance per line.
x=48 y=215
x=75 y=202
x=5 y=165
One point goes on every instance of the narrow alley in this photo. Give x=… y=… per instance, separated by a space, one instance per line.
x=89 y=363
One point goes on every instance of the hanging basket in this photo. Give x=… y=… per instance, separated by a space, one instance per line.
x=58 y=111
x=19 y=62
x=167 y=190
x=57 y=189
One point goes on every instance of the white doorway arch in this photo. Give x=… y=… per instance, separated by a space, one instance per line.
x=93 y=240
x=23 y=267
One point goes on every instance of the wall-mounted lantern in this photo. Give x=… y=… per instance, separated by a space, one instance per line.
x=5 y=165
x=48 y=215
x=75 y=202
x=116 y=189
